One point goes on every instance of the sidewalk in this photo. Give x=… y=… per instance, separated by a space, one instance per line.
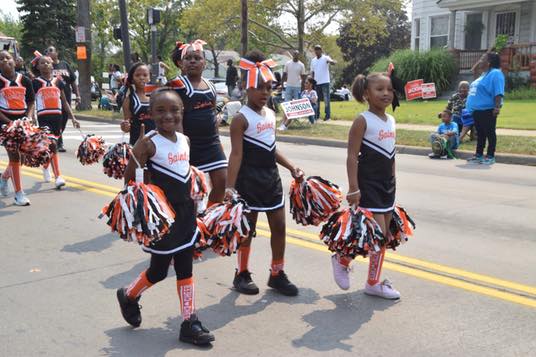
x=431 y=128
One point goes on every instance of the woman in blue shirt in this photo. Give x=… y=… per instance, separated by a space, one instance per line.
x=484 y=102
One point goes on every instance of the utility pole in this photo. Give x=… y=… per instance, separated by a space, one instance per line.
x=83 y=40
x=124 y=33
x=153 y=17
x=244 y=26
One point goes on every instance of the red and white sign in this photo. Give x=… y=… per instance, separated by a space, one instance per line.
x=298 y=108
x=413 y=89
x=428 y=91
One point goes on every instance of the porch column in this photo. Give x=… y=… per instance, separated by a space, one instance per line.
x=452 y=29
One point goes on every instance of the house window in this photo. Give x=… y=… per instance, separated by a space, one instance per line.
x=439 y=33
x=417 y=28
x=506 y=24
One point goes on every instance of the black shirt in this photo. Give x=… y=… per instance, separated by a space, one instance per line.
x=232 y=76
x=62 y=68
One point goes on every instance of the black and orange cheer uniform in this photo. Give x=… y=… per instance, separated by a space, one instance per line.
x=48 y=103
x=140 y=115
x=200 y=125
x=15 y=96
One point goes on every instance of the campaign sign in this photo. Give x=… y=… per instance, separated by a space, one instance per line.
x=298 y=108
x=413 y=89
x=428 y=91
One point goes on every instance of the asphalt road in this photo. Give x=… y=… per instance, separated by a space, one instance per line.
x=468 y=277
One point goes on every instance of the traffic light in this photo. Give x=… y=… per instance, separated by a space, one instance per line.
x=153 y=16
x=117 y=33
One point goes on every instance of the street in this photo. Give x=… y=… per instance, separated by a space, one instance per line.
x=467 y=278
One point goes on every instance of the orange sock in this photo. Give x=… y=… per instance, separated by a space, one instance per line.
x=15 y=175
x=56 y=165
x=375 y=266
x=277 y=266
x=243 y=258
x=344 y=260
x=7 y=173
x=186 y=291
x=138 y=286
x=211 y=203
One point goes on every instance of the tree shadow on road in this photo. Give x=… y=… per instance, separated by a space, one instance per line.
x=331 y=327
x=97 y=244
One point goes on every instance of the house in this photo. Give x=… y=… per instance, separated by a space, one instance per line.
x=470 y=27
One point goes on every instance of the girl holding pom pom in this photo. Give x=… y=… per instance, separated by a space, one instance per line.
x=166 y=153
x=16 y=102
x=371 y=174
x=253 y=172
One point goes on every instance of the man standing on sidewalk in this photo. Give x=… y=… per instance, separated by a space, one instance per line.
x=231 y=77
x=293 y=75
x=320 y=73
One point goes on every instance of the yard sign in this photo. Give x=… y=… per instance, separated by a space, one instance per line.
x=414 y=89
x=298 y=108
x=428 y=91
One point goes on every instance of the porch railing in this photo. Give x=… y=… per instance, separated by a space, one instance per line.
x=521 y=55
x=467 y=58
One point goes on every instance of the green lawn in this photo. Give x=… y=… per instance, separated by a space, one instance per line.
x=516 y=114
x=100 y=113
x=505 y=144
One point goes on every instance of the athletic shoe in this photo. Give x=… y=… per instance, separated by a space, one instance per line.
x=489 y=160
x=46 y=175
x=192 y=331
x=61 y=148
x=4 y=187
x=327 y=119
x=444 y=157
x=60 y=182
x=282 y=127
x=281 y=283
x=130 y=309
x=21 y=199
x=341 y=273
x=243 y=284
x=476 y=159
x=384 y=290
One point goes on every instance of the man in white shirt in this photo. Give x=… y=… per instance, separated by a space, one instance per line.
x=293 y=75
x=320 y=73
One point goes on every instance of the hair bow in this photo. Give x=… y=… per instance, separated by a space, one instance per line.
x=37 y=55
x=197 y=45
x=254 y=69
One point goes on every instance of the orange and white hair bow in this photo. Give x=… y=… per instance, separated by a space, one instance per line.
x=254 y=69
x=197 y=45
x=37 y=55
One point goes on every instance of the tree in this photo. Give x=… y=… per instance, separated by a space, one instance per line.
x=48 y=22
x=376 y=30
x=10 y=26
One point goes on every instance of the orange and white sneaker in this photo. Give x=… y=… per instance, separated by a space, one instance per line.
x=384 y=290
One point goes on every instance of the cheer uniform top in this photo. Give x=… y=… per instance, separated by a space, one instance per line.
x=140 y=115
x=200 y=125
x=170 y=170
x=48 y=103
x=376 y=177
x=15 y=95
x=258 y=180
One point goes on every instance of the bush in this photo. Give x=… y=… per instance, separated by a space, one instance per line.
x=437 y=66
x=521 y=93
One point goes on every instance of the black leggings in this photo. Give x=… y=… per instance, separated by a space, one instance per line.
x=182 y=262
x=486 y=124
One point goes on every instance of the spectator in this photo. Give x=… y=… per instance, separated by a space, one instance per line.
x=456 y=103
x=320 y=73
x=162 y=68
x=293 y=75
x=116 y=80
x=345 y=92
x=484 y=102
x=20 y=67
x=231 y=77
x=309 y=93
x=446 y=138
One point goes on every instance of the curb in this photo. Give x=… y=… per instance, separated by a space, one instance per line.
x=512 y=159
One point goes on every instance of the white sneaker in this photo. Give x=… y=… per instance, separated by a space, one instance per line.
x=60 y=182
x=21 y=199
x=384 y=290
x=282 y=127
x=341 y=273
x=4 y=187
x=46 y=175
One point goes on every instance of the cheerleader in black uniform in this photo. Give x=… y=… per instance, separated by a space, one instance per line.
x=17 y=101
x=254 y=175
x=136 y=104
x=166 y=153
x=371 y=173
x=200 y=124
x=50 y=100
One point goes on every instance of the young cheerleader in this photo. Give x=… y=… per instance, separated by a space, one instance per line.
x=371 y=174
x=50 y=99
x=136 y=104
x=166 y=153
x=200 y=124
x=253 y=173
x=16 y=101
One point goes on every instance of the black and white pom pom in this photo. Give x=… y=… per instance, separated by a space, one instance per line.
x=116 y=159
x=91 y=150
x=401 y=227
x=199 y=184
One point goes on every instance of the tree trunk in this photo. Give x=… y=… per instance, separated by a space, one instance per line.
x=301 y=28
x=215 y=62
x=84 y=66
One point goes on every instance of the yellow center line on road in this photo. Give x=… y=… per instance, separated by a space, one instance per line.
x=397 y=262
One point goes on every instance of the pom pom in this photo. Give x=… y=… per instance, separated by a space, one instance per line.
x=352 y=232
x=140 y=212
x=199 y=184
x=401 y=227
x=91 y=150
x=314 y=200
x=224 y=226
x=15 y=133
x=116 y=160
x=32 y=142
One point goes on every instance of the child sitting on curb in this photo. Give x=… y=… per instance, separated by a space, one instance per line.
x=446 y=139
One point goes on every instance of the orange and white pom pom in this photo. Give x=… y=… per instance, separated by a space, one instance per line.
x=199 y=184
x=91 y=150
x=401 y=227
x=116 y=160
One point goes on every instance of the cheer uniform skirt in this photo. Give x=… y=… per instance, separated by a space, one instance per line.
x=53 y=122
x=377 y=195
x=261 y=187
x=207 y=157
x=183 y=232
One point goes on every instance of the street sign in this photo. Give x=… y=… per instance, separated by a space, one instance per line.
x=298 y=108
x=413 y=89
x=428 y=91
x=80 y=34
x=81 y=53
